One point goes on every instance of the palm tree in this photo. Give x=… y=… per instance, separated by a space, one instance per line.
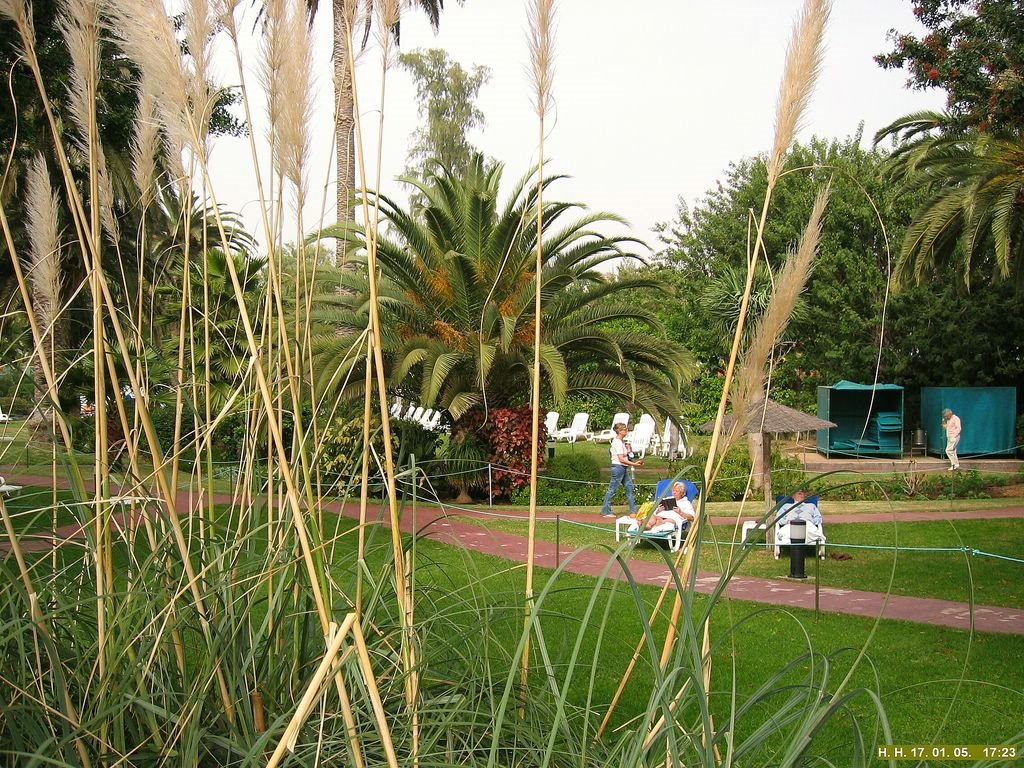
x=343 y=13
x=973 y=189
x=720 y=298
x=457 y=304
x=226 y=351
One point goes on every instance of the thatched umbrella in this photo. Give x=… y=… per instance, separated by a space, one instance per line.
x=771 y=419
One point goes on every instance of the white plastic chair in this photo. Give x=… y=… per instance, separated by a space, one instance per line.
x=426 y=416
x=551 y=423
x=433 y=422
x=576 y=430
x=396 y=409
x=673 y=442
x=640 y=437
x=607 y=435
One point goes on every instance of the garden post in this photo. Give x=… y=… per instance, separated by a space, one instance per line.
x=558 y=535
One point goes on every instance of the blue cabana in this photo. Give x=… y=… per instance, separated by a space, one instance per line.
x=987 y=415
x=868 y=418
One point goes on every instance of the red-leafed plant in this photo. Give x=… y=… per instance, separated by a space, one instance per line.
x=506 y=434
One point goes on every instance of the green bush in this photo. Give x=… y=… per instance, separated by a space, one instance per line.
x=414 y=440
x=341 y=445
x=229 y=436
x=577 y=466
x=571 y=480
x=83 y=433
x=967 y=484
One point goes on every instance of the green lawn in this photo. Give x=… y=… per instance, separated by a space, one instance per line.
x=919 y=570
x=937 y=685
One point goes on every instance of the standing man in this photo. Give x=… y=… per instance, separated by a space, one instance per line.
x=621 y=464
x=951 y=423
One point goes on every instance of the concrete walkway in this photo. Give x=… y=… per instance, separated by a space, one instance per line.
x=448 y=524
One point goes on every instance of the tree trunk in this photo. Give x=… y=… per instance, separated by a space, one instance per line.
x=344 y=121
x=755 y=447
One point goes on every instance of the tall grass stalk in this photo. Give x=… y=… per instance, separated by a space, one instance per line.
x=802 y=64
x=541 y=56
x=276 y=631
x=389 y=12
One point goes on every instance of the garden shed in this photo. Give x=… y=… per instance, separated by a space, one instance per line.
x=868 y=418
x=987 y=415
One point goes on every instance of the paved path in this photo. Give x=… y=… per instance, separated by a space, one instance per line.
x=448 y=524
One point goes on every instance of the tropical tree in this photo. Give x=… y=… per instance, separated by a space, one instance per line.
x=344 y=16
x=446 y=95
x=837 y=332
x=457 y=303
x=218 y=355
x=972 y=185
x=973 y=50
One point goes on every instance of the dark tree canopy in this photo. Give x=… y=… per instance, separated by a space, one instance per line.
x=974 y=50
x=837 y=331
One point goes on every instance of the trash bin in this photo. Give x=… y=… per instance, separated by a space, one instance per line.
x=797 y=541
x=919 y=442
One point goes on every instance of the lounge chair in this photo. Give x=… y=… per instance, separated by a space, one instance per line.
x=640 y=437
x=551 y=423
x=782 y=528
x=607 y=435
x=577 y=430
x=632 y=527
x=673 y=442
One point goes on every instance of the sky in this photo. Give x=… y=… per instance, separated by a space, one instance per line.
x=651 y=104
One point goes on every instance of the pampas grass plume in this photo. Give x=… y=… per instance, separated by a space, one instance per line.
x=144 y=33
x=41 y=211
x=79 y=25
x=542 y=19
x=44 y=243
x=790 y=284
x=803 y=63
x=17 y=11
x=287 y=76
x=198 y=36
x=145 y=145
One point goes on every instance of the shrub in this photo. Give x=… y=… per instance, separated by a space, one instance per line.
x=413 y=439
x=463 y=461
x=967 y=484
x=506 y=437
x=342 y=444
x=230 y=436
x=571 y=480
x=83 y=433
x=577 y=466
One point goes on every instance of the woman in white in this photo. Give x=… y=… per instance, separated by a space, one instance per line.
x=621 y=462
